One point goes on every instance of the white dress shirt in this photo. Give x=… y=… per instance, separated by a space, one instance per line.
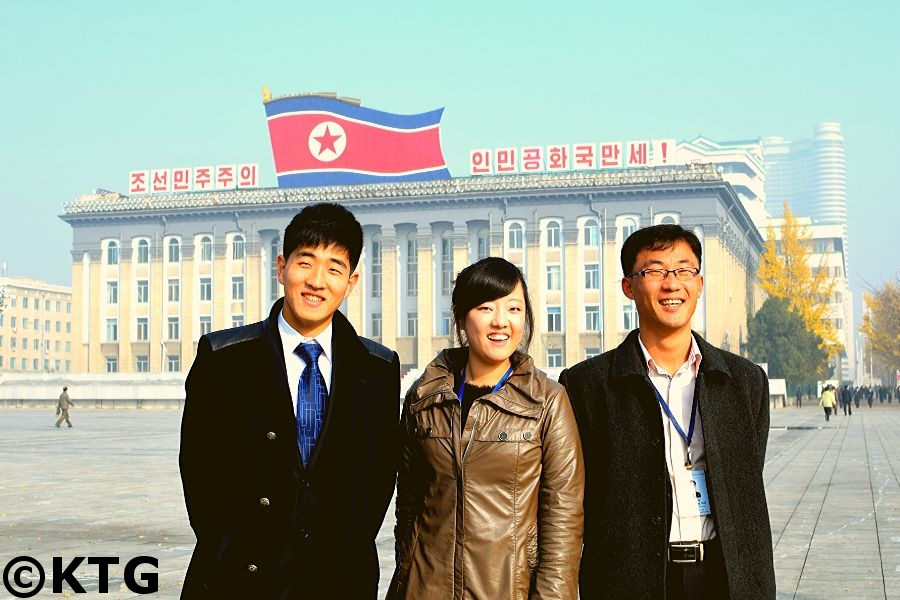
x=678 y=392
x=290 y=339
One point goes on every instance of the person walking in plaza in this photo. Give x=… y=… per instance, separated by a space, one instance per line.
x=828 y=401
x=490 y=487
x=62 y=407
x=846 y=398
x=289 y=435
x=799 y=394
x=674 y=433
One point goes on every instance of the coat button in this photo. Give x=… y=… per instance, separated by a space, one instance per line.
x=271 y=436
x=252 y=568
x=264 y=502
x=304 y=534
x=526 y=435
x=503 y=436
x=656 y=520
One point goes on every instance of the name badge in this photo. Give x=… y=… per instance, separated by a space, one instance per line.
x=699 y=478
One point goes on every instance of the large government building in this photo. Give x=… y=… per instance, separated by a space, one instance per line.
x=151 y=274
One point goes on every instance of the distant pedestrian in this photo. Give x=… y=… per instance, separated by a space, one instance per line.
x=828 y=401
x=799 y=397
x=845 y=399
x=860 y=392
x=62 y=407
x=870 y=396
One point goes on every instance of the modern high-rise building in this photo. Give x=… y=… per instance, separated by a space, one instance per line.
x=809 y=174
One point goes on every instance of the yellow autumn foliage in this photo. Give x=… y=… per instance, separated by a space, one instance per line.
x=881 y=322
x=785 y=272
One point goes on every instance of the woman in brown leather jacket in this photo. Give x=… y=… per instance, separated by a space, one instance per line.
x=491 y=483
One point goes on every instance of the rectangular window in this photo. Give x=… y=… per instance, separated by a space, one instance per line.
x=35 y=344
x=592 y=318
x=46 y=364
x=143 y=329
x=412 y=267
x=112 y=364
x=68 y=308
x=56 y=346
x=173 y=363
x=143 y=291
x=68 y=327
x=143 y=253
x=58 y=306
x=47 y=305
x=56 y=365
x=58 y=326
x=237 y=249
x=13 y=342
x=376 y=269
x=412 y=324
x=376 y=325
x=629 y=317
x=554 y=318
x=26 y=323
x=142 y=364
x=174 y=330
x=554 y=278
x=68 y=366
x=112 y=254
x=554 y=357
x=483 y=248
x=34 y=364
x=237 y=321
x=446 y=265
x=46 y=346
x=591 y=352
x=68 y=346
x=174 y=287
x=237 y=287
x=205 y=324
x=1 y=362
x=206 y=250
x=445 y=323
x=47 y=326
x=12 y=322
x=592 y=276
x=205 y=289
x=112 y=330
x=25 y=302
x=1 y=341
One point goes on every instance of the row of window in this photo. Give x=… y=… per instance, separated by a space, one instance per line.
x=173 y=250
x=35 y=344
x=35 y=364
x=173 y=289
x=142 y=363
x=49 y=305
x=36 y=324
x=173 y=328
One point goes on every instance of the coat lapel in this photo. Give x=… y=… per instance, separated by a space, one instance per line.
x=348 y=382
x=278 y=403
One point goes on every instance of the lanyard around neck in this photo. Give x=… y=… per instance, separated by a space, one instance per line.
x=690 y=434
x=462 y=382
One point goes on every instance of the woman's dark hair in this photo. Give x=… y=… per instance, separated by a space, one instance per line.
x=488 y=279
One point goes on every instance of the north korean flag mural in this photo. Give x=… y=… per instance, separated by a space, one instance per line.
x=320 y=140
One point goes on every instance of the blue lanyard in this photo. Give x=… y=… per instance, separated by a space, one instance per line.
x=462 y=382
x=690 y=434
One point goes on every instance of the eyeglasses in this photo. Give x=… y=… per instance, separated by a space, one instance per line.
x=682 y=274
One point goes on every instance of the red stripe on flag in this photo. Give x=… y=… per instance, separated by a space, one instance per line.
x=368 y=148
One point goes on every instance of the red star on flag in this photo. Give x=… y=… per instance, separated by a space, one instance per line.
x=327 y=141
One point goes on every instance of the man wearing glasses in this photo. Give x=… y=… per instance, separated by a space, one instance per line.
x=674 y=436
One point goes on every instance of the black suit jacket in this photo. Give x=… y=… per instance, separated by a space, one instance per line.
x=628 y=497
x=266 y=526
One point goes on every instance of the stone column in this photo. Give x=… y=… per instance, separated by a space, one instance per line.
x=572 y=283
x=390 y=291
x=425 y=305
x=356 y=299
x=126 y=314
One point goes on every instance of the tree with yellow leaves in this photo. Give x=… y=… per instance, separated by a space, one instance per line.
x=785 y=273
x=881 y=323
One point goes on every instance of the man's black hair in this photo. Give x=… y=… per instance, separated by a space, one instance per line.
x=657 y=237
x=323 y=225
x=488 y=279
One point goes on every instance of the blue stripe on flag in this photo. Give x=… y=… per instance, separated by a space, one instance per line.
x=344 y=178
x=314 y=103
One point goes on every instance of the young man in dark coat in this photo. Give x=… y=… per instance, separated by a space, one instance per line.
x=674 y=436
x=289 y=435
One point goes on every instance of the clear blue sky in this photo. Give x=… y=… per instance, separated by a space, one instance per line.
x=92 y=90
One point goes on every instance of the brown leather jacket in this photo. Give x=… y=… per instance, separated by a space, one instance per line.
x=493 y=511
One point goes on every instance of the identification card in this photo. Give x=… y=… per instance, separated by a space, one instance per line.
x=699 y=478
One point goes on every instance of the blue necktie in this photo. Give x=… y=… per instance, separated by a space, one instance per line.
x=311 y=395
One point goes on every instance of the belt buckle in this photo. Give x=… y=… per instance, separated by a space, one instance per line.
x=688 y=552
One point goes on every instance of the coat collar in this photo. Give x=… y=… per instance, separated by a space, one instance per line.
x=523 y=393
x=628 y=360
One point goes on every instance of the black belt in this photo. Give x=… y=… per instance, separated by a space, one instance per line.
x=690 y=552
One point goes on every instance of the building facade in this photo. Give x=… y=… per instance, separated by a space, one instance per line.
x=35 y=326
x=152 y=274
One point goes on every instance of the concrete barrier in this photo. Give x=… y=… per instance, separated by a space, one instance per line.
x=108 y=391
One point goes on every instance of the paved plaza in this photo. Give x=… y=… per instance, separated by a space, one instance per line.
x=110 y=487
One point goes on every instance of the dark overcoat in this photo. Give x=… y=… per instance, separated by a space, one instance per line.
x=266 y=526
x=628 y=497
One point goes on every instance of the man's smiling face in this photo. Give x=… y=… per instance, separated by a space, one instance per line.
x=316 y=281
x=665 y=307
